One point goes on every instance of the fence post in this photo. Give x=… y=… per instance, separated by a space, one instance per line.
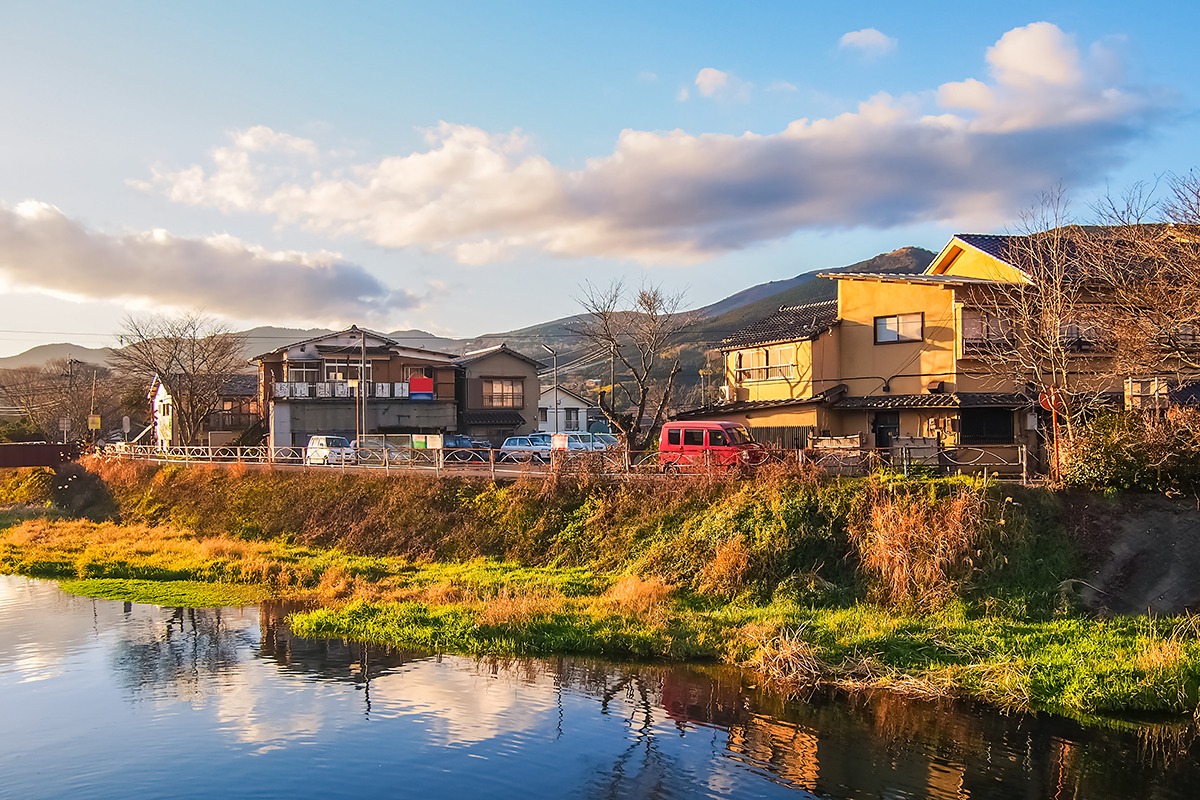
x=1023 y=455
x=492 y=462
x=904 y=459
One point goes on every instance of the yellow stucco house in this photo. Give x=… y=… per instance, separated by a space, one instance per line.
x=896 y=355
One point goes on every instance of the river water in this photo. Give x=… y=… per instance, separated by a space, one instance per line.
x=101 y=699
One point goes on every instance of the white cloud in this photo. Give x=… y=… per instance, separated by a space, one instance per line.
x=711 y=81
x=868 y=42
x=970 y=152
x=715 y=83
x=42 y=248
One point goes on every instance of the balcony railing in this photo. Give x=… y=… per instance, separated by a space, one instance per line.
x=339 y=390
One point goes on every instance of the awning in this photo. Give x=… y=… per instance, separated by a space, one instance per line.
x=492 y=417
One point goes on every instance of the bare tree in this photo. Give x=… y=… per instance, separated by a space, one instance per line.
x=63 y=389
x=1052 y=341
x=639 y=329
x=192 y=353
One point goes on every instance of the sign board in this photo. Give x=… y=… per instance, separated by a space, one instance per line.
x=64 y=424
x=93 y=422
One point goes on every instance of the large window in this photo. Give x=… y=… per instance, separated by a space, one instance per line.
x=899 y=328
x=303 y=371
x=572 y=421
x=982 y=330
x=345 y=369
x=986 y=426
x=503 y=393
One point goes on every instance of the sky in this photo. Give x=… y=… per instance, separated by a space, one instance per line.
x=466 y=168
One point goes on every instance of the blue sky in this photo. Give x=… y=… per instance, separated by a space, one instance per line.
x=464 y=168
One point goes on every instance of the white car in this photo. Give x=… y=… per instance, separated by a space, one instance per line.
x=329 y=450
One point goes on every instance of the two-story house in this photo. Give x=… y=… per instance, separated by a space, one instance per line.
x=560 y=409
x=896 y=355
x=232 y=408
x=497 y=393
x=353 y=383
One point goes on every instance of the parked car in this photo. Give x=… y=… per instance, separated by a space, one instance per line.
x=696 y=446
x=371 y=452
x=610 y=442
x=522 y=448
x=460 y=447
x=329 y=450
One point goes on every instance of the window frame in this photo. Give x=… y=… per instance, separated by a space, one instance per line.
x=899 y=318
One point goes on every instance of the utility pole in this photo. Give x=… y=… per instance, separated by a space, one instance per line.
x=362 y=382
x=554 y=353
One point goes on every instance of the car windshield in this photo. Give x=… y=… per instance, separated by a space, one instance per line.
x=739 y=435
x=607 y=438
x=336 y=441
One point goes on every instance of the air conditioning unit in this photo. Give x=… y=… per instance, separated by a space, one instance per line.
x=727 y=393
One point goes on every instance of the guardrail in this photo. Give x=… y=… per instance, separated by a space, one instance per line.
x=1010 y=462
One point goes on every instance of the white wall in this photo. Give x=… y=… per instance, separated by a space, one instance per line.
x=565 y=401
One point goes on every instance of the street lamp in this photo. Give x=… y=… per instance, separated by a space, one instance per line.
x=554 y=353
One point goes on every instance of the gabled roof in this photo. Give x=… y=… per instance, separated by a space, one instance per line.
x=788 y=324
x=545 y=390
x=232 y=385
x=388 y=345
x=478 y=355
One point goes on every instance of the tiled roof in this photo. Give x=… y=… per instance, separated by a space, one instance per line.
x=240 y=386
x=949 y=400
x=1186 y=395
x=741 y=406
x=492 y=417
x=788 y=324
x=994 y=245
x=476 y=355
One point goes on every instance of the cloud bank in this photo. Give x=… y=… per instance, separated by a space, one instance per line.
x=968 y=152
x=42 y=248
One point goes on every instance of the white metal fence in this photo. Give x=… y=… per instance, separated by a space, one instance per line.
x=1003 y=462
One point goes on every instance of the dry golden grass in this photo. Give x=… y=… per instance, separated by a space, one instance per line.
x=726 y=575
x=513 y=607
x=919 y=553
x=648 y=598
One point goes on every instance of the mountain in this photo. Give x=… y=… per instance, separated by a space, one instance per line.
x=44 y=353
x=717 y=321
x=749 y=305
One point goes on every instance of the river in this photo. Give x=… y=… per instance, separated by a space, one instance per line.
x=102 y=699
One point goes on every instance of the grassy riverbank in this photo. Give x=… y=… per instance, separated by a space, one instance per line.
x=942 y=587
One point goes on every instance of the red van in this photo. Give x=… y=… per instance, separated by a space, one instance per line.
x=695 y=446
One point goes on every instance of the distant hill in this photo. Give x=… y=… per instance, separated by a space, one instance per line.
x=44 y=353
x=749 y=305
x=718 y=321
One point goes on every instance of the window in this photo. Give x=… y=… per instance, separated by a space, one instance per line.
x=1145 y=393
x=899 y=328
x=982 y=330
x=693 y=438
x=986 y=426
x=781 y=362
x=673 y=437
x=543 y=414
x=572 y=422
x=345 y=369
x=503 y=393
x=303 y=371
x=717 y=439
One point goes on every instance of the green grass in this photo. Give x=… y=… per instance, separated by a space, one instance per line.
x=186 y=594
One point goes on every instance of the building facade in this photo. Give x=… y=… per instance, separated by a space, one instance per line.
x=355 y=383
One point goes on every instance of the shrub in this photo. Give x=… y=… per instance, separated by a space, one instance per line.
x=1136 y=451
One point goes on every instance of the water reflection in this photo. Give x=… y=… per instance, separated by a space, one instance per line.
x=151 y=687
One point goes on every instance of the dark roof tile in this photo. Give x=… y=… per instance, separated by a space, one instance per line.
x=788 y=324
